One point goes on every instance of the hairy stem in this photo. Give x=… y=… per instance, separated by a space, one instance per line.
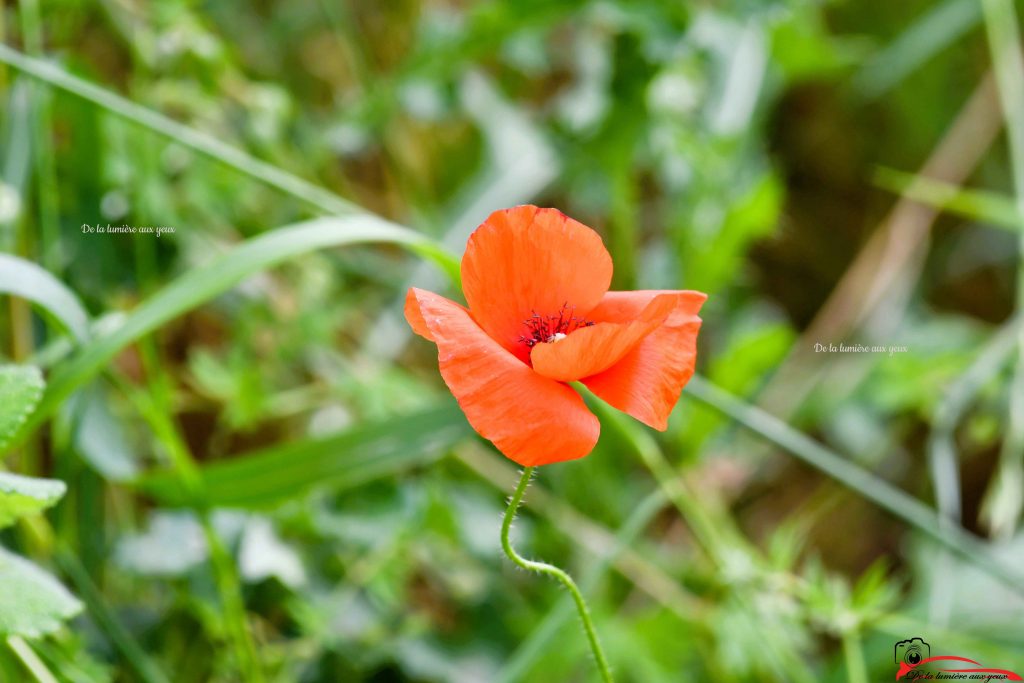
x=553 y=571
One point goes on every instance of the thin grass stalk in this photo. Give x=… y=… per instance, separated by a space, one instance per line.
x=324 y=201
x=897 y=502
x=942 y=458
x=1006 y=499
x=122 y=639
x=30 y=659
x=853 y=652
x=3 y=39
x=226 y=578
x=718 y=537
x=42 y=131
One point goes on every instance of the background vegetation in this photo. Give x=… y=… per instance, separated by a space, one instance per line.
x=264 y=478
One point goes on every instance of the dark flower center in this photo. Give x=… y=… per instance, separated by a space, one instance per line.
x=551 y=328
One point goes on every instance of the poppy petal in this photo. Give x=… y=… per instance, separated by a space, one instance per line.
x=625 y=306
x=591 y=350
x=533 y=420
x=527 y=260
x=414 y=315
x=647 y=381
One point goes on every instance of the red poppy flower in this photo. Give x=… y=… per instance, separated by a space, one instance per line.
x=540 y=315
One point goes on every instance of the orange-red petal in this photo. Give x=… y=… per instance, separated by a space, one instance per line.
x=527 y=260
x=625 y=306
x=591 y=350
x=414 y=314
x=647 y=381
x=531 y=419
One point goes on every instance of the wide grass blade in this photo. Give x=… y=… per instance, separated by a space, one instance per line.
x=934 y=31
x=203 y=284
x=345 y=460
x=27 y=280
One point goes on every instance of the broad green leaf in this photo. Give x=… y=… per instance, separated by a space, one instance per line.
x=344 y=460
x=29 y=281
x=32 y=603
x=21 y=387
x=21 y=496
x=200 y=285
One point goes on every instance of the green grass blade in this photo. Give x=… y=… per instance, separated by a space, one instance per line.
x=1003 y=503
x=205 y=144
x=221 y=274
x=122 y=639
x=719 y=537
x=30 y=660
x=942 y=457
x=931 y=33
x=993 y=208
x=344 y=460
x=29 y=281
x=898 y=503
x=42 y=144
x=943 y=463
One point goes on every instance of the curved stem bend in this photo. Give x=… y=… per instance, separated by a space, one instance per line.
x=556 y=572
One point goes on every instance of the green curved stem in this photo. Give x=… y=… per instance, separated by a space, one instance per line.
x=553 y=571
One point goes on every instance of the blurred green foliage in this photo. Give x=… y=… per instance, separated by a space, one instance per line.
x=268 y=481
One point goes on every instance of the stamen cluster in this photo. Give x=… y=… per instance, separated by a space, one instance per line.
x=549 y=328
